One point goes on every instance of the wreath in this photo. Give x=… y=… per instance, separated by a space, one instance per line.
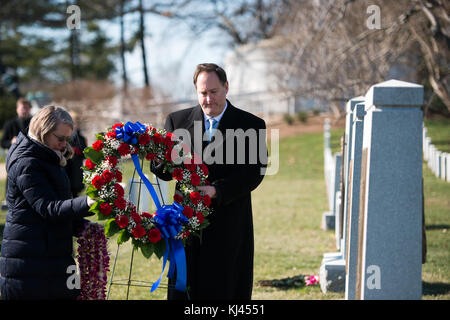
x=170 y=225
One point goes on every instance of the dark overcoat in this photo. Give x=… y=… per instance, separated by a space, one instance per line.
x=41 y=220
x=220 y=262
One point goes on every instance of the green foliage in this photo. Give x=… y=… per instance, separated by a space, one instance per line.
x=94 y=155
x=439 y=131
x=288 y=119
x=111 y=228
x=92 y=192
x=123 y=237
x=302 y=116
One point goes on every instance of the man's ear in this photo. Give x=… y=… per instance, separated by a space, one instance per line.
x=226 y=87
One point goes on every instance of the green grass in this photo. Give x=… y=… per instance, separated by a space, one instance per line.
x=439 y=132
x=287 y=210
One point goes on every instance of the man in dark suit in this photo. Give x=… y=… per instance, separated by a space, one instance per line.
x=220 y=261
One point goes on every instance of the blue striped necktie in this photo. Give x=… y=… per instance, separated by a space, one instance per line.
x=211 y=126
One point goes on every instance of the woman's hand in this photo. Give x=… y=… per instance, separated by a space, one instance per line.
x=90 y=201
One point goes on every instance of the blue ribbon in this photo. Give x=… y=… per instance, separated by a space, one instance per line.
x=128 y=133
x=168 y=219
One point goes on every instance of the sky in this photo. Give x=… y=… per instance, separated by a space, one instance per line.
x=172 y=54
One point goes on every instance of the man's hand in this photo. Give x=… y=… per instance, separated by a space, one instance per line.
x=209 y=190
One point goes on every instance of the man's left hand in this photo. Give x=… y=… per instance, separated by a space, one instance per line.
x=209 y=190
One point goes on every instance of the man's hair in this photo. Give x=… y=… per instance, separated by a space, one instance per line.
x=23 y=101
x=210 y=67
x=46 y=120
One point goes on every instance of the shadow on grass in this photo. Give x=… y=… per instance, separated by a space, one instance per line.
x=434 y=288
x=285 y=283
x=437 y=227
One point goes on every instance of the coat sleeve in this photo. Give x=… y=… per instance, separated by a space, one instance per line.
x=158 y=170
x=243 y=178
x=38 y=192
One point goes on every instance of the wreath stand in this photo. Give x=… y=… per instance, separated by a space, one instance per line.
x=130 y=282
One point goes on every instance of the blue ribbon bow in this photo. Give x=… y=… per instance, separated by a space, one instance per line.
x=168 y=219
x=128 y=133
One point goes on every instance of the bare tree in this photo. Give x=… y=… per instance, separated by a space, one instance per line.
x=330 y=53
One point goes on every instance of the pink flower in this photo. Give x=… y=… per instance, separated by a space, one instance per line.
x=311 y=280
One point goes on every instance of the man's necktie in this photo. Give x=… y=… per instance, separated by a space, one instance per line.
x=211 y=126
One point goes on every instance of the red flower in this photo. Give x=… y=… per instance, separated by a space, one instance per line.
x=195 y=179
x=154 y=235
x=98 y=145
x=77 y=151
x=89 y=164
x=136 y=217
x=118 y=176
x=117 y=125
x=200 y=217
x=112 y=161
x=157 y=138
x=107 y=175
x=185 y=234
x=120 y=203
x=177 y=198
x=144 y=139
x=146 y=214
x=177 y=174
x=188 y=212
x=168 y=154
x=122 y=221
x=123 y=149
x=138 y=232
x=206 y=200
x=150 y=156
x=168 y=140
x=111 y=134
x=105 y=208
x=98 y=182
x=195 y=197
x=204 y=168
x=191 y=167
x=118 y=190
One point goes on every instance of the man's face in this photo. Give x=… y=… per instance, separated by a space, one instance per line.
x=23 y=110
x=211 y=93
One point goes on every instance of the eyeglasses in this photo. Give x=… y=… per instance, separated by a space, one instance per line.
x=62 y=139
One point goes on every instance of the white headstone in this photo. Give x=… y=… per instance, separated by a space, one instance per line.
x=353 y=205
x=390 y=263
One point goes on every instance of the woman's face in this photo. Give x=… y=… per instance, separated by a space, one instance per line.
x=58 y=139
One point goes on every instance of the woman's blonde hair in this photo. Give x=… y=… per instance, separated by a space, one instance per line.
x=45 y=122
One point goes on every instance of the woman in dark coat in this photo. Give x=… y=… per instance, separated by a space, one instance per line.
x=42 y=216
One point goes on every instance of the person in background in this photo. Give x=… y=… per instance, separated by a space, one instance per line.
x=20 y=123
x=73 y=167
x=42 y=217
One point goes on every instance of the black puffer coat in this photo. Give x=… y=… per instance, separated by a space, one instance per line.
x=41 y=220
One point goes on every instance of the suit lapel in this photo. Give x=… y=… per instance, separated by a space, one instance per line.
x=196 y=120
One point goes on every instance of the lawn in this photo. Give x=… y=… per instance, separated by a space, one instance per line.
x=287 y=210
